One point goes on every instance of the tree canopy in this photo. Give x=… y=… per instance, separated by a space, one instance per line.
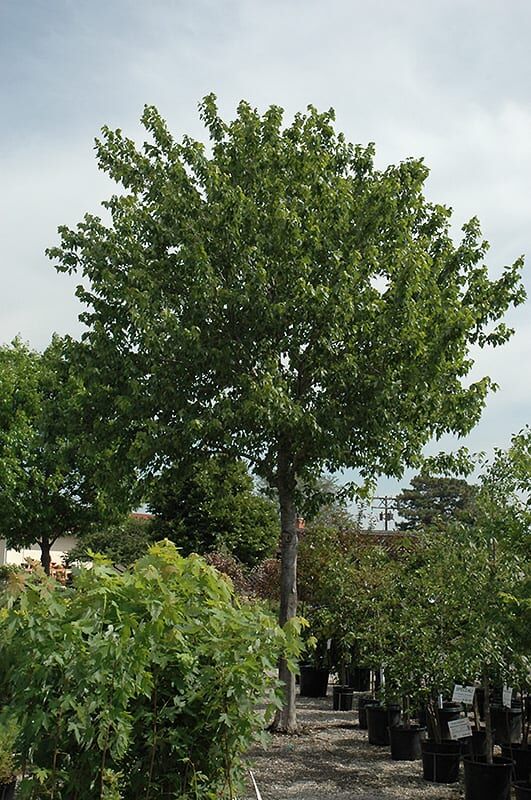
x=435 y=501
x=276 y=297
x=48 y=479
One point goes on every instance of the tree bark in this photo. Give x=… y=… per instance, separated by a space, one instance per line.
x=488 y=721
x=286 y=719
x=46 y=558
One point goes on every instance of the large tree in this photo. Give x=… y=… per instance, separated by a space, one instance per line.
x=435 y=501
x=276 y=297
x=49 y=483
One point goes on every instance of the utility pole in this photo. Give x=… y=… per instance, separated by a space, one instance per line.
x=385 y=505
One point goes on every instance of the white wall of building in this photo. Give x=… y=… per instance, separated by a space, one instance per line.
x=59 y=549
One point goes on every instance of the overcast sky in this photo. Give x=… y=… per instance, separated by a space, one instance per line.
x=449 y=80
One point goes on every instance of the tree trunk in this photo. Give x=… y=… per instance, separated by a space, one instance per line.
x=434 y=725
x=477 y=715
x=407 y=711
x=46 y=557
x=286 y=719
x=488 y=721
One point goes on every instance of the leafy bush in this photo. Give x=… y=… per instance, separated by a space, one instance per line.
x=8 y=764
x=144 y=684
x=122 y=543
x=212 y=505
x=228 y=565
x=6 y=570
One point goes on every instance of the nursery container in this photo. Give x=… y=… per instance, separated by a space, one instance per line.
x=406 y=742
x=379 y=720
x=336 y=691
x=488 y=781
x=314 y=681
x=446 y=714
x=522 y=760
x=363 y=702
x=359 y=679
x=345 y=700
x=522 y=790
x=508 y=724
x=440 y=761
x=477 y=744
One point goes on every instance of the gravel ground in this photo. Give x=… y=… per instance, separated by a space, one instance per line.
x=332 y=760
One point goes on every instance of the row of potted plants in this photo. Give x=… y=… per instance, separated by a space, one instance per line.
x=453 y=604
x=429 y=738
x=485 y=779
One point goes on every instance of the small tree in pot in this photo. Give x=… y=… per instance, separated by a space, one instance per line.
x=497 y=568
x=427 y=619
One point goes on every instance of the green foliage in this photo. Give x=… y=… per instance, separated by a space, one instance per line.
x=421 y=625
x=6 y=571
x=501 y=617
x=276 y=292
x=212 y=505
x=432 y=501
x=48 y=479
x=8 y=761
x=122 y=543
x=144 y=684
x=345 y=584
x=233 y=569
x=462 y=600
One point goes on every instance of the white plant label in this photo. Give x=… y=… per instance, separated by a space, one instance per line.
x=328 y=644
x=459 y=728
x=463 y=694
x=507 y=696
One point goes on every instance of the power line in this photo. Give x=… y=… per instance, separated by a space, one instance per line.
x=386 y=506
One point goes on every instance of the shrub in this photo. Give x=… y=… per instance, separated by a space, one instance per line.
x=142 y=684
x=122 y=543
x=8 y=762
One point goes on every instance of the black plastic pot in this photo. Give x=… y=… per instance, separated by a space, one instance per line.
x=363 y=702
x=314 y=681
x=477 y=744
x=440 y=761
x=406 y=742
x=379 y=720
x=7 y=790
x=446 y=714
x=522 y=790
x=508 y=724
x=522 y=760
x=359 y=679
x=465 y=745
x=336 y=691
x=345 y=700
x=488 y=781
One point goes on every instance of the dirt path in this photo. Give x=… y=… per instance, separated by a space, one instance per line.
x=332 y=760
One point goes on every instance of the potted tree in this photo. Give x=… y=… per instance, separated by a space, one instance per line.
x=520 y=754
x=424 y=618
x=335 y=578
x=495 y=547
